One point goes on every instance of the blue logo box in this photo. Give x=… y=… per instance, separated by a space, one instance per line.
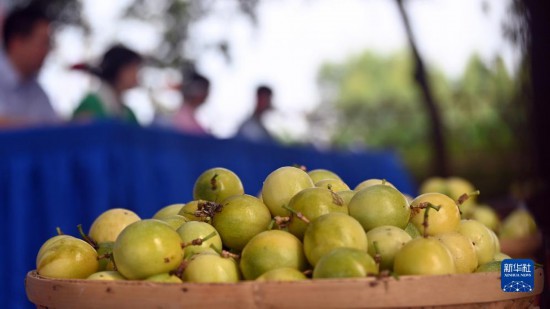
x=517 y=275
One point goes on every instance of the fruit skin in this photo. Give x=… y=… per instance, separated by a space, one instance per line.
x=434 y=184
x=47 y=244
x=271 y=250
x=346 y=195
x=107 y=226
x=345 y=263
x=481 y=238
x=389 y=240
x=518 y=224
x=68 y=257
x=105 y=263
x=462 y=250
x=380 y=205
x=457 y=186
x=188 y=210
x=453 y=187
x=241 y=218
x=372 y=182
x=424 y=256
x=487 y=216
x=412 y=231
x=209 y=268
x=146 y=248
x=322 y=174
x=217 y=184
x=282 y=274
x=332 y=231
x=446 y=220
x=164 y=277
x=496 y=240
x=168 y=211
x=107 y=275
x=489 y=267
x=499 y=256
x=192 y=230
x=175 y=221
x=332 y=184
x=281 y=185
x=312 y=203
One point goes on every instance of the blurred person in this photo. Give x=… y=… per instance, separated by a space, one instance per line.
x=117 y=73
x=26 y=43
x=195 y=90
x=253 y=128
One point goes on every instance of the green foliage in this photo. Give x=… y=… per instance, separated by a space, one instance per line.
x=377 y=98
x=482 y=112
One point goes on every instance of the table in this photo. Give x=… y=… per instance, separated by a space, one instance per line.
x=63 y=176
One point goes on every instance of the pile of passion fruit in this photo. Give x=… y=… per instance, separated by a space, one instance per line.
x=303 y=225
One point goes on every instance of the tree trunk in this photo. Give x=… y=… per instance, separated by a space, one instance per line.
x=440 y=160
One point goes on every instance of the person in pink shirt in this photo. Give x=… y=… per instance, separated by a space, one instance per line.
x=195 y=91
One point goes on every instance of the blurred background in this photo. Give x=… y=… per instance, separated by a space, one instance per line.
x=343 y=74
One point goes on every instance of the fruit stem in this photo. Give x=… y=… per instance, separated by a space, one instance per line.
x=87 y=238
x=377 y=256
x=336 y=199
x=104 y=256
x=464 y=197
x=207 y=210
x=298 y=214
x=198 y=241
x=384 y=181
x=178 y=272
x=271 y=224
x=281 y=221
x=59 y=231
x=427 y=206
x=218 y=251
x=226 y=254
x=213 y=182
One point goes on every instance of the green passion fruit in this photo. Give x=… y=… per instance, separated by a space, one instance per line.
x=345 y=263
x=444 y=220
x=217 y=184
x=241 y=218
x=386 y=241
x=331 y=231
x=271 y=250
x=146 y=248
x=424 y=256
x=281 y=185
x=312 y=203
x=380 y=205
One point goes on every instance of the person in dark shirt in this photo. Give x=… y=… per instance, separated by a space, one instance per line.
x=253 y=128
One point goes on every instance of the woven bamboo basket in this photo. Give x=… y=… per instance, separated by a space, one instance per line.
x=478 y=290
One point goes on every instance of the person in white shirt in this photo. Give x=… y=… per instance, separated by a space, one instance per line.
x=253 y=128
x=26 y=43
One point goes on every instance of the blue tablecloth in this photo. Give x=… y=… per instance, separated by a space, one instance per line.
x=63 y=176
